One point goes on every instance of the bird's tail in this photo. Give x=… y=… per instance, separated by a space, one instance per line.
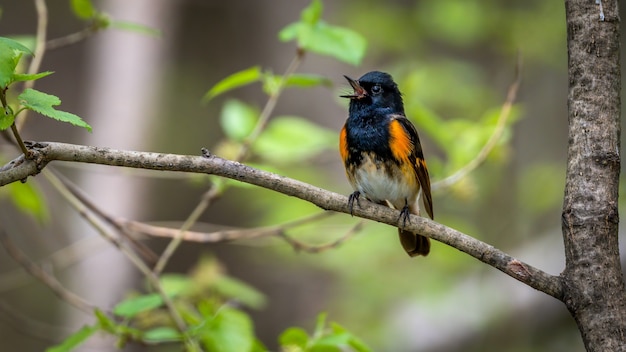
x=414 y=244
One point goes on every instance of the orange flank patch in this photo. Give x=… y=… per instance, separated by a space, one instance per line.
x=399 y=142
x=343 y=144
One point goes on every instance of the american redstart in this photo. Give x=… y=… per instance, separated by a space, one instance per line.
x=382 y=153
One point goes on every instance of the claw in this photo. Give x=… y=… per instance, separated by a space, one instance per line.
x=404 y=215
x=353 y=197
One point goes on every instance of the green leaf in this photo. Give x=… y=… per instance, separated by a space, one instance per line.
x=107 y=324
x=44 y=104
x=312 y=13
x=83 y=9
x=353 y=341
x=320 y=325
x=6 y=120
x=290 y=32
x=307 y=80
x=236 y=80
x=10 y=53
x=294 y=337
x=324 y=348
x=230 y=330
x=291 y=139
x=130 y=307
x=238 y=119
x=19 y=77
x=313 y=34
x=136 y=28
x=161 y=334
x=241 y=291
x=341 y=43
x=15 y=45
x=29 y=199
x=175 y=284
x=74 y=340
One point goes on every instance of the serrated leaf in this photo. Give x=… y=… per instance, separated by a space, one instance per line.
x=44 y=104
x=236 y=80
x=83 y=9
x=161 y=334
x=74 y=340
x=238 y=119
x=136 y=28
x=230 y=330
x=15 y=45
x=19 y=77
x=10 y=53
x=290 y=139
x=241 y=291
x=294 y=337
x=28 y=199
x=130 y=307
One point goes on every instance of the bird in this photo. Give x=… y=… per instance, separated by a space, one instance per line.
x=383 y=156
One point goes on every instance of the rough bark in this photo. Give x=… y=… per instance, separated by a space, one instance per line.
x=593 y=287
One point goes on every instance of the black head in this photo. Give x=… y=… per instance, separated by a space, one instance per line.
x=375 y=90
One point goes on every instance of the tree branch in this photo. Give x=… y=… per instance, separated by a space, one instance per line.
x=593 y=279
x=43 y=276
x=46 y=152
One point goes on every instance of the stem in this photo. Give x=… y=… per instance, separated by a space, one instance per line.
x=495 y=137
x=215 y=192
x=40 y=50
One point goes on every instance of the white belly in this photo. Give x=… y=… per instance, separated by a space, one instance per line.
x=378 y=185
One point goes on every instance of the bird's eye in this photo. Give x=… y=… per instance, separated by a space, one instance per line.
x=377 y=89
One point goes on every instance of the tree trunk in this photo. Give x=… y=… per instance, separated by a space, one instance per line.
x=593 y=283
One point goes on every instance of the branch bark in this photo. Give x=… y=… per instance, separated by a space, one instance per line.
x=45 y=152
x=593 y=283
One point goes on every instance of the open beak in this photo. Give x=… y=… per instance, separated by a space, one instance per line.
x=359 y=92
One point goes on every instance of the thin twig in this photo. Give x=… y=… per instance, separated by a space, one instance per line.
x=218 y=236
x=208 y=197
x=40 y=50
x=505 y=112
x=213 y=165
x=146 y=253
x=301 y=246
x=215 y=192
x=72 y=38
x=46 y=278
x=60 y=259
x=269 y=106
x=137 y=262
x=31 y=327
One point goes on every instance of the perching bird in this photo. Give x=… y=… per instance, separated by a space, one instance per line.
x=382 y=153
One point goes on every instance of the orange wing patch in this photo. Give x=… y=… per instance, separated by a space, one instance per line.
x=343 y=144
x=400 y=141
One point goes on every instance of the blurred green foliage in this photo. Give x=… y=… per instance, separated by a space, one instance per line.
x=453 y=60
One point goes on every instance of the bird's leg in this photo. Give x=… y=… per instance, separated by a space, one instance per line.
x=353 y=197
x=404 y=214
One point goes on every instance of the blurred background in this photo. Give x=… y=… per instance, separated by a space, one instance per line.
x=453 y=60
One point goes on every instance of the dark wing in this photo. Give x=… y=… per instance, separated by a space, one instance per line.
x=419 y=164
